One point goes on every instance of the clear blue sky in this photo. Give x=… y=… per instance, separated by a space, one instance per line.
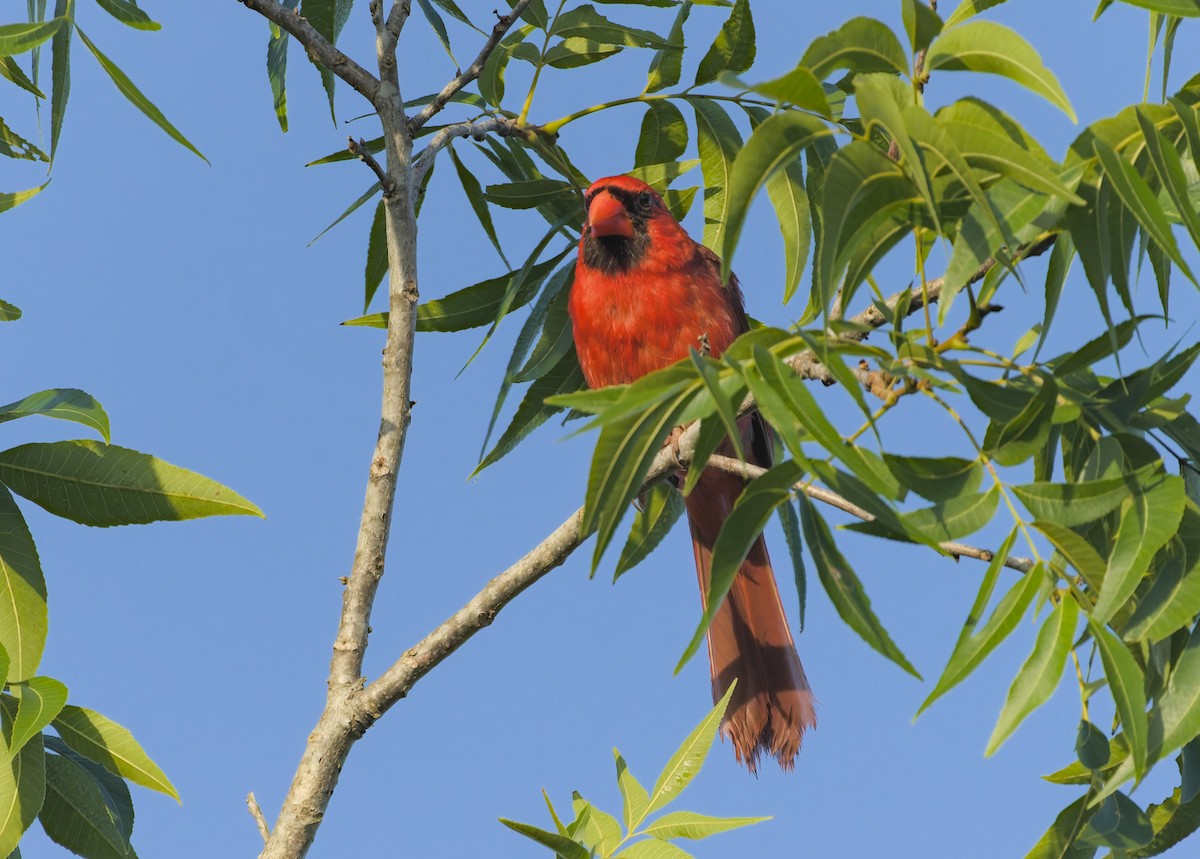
x=183 y=296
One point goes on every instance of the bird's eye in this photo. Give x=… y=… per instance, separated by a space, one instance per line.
x=645 y=201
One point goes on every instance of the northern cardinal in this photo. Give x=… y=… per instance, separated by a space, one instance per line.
x=644 y=295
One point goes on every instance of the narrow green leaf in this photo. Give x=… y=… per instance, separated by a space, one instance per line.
x=1079 y=553
x=844 y=588
x=1141 y=202
x=733 y=49
x=19 y=38
x=439 y=27
x=491 y=78
x=652 y=848
x=1174 y=598
x=718 y=142
x=1148 y=521
x=1060 y=840
x=973 y=647
x=685 y=763
x=135 y=96
x=22 y=593
x=60 y=72
x=377 y=261
x=602 y=830
x=127 y=12
x=277 y=54
x=584 y=21
x=1127 y=685
x=1071 y=504
x=113 y=789
x=475 y=197
x=112 y=746
x=689 y=824
x=528 y=194
x=1172 y=820
x=97 y=484
x=937 y=479
x=13 y=145
x=68 y=404
x=565 y=377
x=1038 y=677
x=75 y=814
x=41 y=700
x=667 y=63
x=1171 y=174
x=12 y=199
x=10 y=70
x=921 y=23
x=327 y=17
x=1118 y=823
x=634 y=798
x=985 y=46
x=574 y=52
x=969 y=9
x=1182 y=8
x=774 y=145
x=478 y=304
x=661 y=509
x=560 y=844
x=22 y=789
x=799 y=88
x=946 y=520
x=790 y=523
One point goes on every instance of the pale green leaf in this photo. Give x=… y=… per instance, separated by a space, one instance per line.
x=22 y=593
x=102 y=740
x=1126 y=683
x=685 y=763
x=68 y=404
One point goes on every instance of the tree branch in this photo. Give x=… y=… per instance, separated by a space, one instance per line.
x=472 y=71
x=809 y=366
x=477 y=129
x=318 y=47
x=360 y=151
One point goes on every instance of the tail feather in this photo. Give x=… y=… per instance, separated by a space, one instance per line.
x=749 y=640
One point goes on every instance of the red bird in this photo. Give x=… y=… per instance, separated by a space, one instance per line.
x=644 y=295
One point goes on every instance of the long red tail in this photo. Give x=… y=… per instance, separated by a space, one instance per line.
x=749 y=639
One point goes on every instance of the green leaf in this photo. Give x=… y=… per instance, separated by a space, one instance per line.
x=327 y=17
x=560 y=844
x=349 y=210
x=685 y=763
x=718 y=142
x=1119 y=823
x=68 y=404
x=790 y=522
x=19 y=38
x=22 y=593
x=1171 y=174
x=277 y=54
x=1127 y=686
x=10 y=70
x=973 y=647
x=1091 y=745
x=9 y=312
x=377 y=261
x=661 y=509
x=946 y=520
x=475 y=197
x=652 y=848
x=136 y=98
x=60 y=73
x=1148 y=521
x=127 y=12
x=733 y=49
x=573 y=52
x=969 y=9
x=533 y=411
x=844 y=588
x=41 y=700
x=584 y=21
x=859 y=45
x=937 y=479
x=102 y=740
x=97 y=484
x=742 y=528
x=75 y=814
x=491 y=78
x=663 y=137
x=1038 y=677
x=1059 y=841
x=12 y=199
x=1174 y=598
x=774 y=145
x=113 y=789
x=799 y=87
x=985 y=46
x=1072 y=504
x=603 y=831
x=921 y=23
x=22 y=790
x=13 y=145
x=478 y=304
x=635 y=800
x=1078 y=552
x=667 y=63
x=689 y=824
x=528 y=194
x=1141 y=202
x=1182 y=8
x=439 y=27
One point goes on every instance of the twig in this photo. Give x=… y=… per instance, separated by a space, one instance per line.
x=748 y=471
x=360 y=151
x=809 y=366
x=318 y=47
x=472 y=71
x=919 y=74
x=477 y=129
x=257 y=814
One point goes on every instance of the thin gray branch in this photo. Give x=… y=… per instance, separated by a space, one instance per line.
x=318 y=46
x=472 y=71
x=477 y=129
x=257 y=814
x=360 y=151
x=748 y=472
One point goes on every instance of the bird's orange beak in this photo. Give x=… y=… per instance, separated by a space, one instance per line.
x=607 y=217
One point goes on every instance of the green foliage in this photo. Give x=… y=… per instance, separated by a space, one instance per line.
x=1074 y=456
x=594 y=833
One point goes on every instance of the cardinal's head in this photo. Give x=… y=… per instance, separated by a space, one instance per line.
x=629 y=227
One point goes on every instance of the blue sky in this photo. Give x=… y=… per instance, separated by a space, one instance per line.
x=183 y=296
